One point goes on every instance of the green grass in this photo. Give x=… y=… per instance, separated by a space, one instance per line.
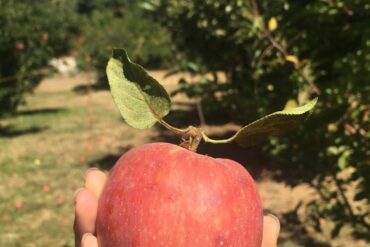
x=49 y=143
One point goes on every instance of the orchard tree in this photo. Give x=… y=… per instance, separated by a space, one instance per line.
x=285 y=52
x=30 y=35
x=107 y=24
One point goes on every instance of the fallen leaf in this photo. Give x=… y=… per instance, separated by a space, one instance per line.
x=37 y=162
x=46 y=188
x=89 y=148
x=19 y=204
x=59 y=200
x=82 y=159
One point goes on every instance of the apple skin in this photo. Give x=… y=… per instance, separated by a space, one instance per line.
x=161 y=194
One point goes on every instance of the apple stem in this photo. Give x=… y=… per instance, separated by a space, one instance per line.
x=192 y=136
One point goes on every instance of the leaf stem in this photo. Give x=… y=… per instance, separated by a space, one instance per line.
x=213 y=141
x=174 y=129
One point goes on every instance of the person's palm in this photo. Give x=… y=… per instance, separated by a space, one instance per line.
x=86 y=207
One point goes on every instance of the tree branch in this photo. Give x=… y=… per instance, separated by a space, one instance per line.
x=299 y=69
x=283 y=49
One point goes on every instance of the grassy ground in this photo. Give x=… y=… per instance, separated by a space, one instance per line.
x=48 y=145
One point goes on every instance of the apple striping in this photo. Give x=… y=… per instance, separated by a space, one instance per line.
x=161 y=194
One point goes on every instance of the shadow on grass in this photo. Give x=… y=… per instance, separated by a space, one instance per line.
x=291 y=223
x=14 y=131
x=10 y=131
x=107 y=162
x=39 y=111
x=83 y=89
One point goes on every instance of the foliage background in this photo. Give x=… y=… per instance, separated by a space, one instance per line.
x=273 y=54
x=283 y=53
x=29 y=37
x=146 y=40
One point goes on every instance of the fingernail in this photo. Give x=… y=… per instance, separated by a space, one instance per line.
x=76 y=192
x=277 y=221
x=275 y=218
x=91 y=169
x=87 y=240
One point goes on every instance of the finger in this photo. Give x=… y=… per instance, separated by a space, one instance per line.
x=271 y=229
x=89 y=240
x=86 y=207
x=95 y=181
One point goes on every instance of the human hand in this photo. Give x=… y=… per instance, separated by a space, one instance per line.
x=86 y=207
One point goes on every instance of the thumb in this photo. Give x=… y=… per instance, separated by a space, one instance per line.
x=271 y=229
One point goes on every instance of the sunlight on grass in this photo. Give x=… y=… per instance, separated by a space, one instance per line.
x=45 y=149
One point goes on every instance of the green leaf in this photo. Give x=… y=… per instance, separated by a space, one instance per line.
x=272 y=125
x=141 y=100
x=343 y=159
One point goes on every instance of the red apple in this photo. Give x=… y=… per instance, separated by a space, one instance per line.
x=164 y=195
x=19 y=46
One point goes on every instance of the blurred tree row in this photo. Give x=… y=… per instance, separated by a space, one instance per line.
x=106 y=24
x=30 y=35
x=281 y=53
